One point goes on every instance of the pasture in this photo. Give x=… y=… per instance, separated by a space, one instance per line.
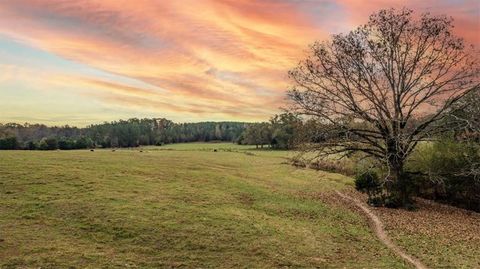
x=187 y=206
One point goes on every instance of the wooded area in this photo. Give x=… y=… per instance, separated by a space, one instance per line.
x=122 y=133
x=278 y=133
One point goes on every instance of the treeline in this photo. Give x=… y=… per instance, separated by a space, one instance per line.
x=123 y=133
x=280 y=132
x=135 y=132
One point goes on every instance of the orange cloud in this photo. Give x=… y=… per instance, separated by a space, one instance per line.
x=155 y=100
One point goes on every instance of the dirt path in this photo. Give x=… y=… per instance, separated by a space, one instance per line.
x=381 y=234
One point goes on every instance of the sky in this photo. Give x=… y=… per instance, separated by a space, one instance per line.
x=79 y=62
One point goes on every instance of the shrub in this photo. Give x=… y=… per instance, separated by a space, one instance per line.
x=369 y=182
x=344 y=167
x=448 y=171
x=298 y=162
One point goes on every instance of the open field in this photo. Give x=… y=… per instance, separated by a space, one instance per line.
x=187 y=206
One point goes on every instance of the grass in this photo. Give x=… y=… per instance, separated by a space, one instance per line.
x=202 y=147
x=176 y=206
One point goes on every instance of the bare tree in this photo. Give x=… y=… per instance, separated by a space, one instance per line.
x=464 y=119
x=381 y=88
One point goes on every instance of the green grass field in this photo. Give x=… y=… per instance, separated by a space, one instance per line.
x=177 y=206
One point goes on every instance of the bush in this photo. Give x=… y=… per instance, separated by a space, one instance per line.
x=448 y=171
x=344 y=167
x=298 y=162
x=369 y=182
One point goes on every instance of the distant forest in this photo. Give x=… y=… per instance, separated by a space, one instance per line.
x=134 y=132
x=123 y=133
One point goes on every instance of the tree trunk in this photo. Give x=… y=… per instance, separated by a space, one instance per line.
x=400 y=186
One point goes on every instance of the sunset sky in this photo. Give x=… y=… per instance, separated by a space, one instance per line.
x=88 y=61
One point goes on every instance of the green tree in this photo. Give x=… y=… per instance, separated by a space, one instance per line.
x=9 y=143
x=284 y=128
x=50 y=143
x=258 y=134
x=84 y=143
x=66 y=143
x=31 y=145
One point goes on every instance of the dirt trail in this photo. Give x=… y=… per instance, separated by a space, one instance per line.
x=381 y=234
